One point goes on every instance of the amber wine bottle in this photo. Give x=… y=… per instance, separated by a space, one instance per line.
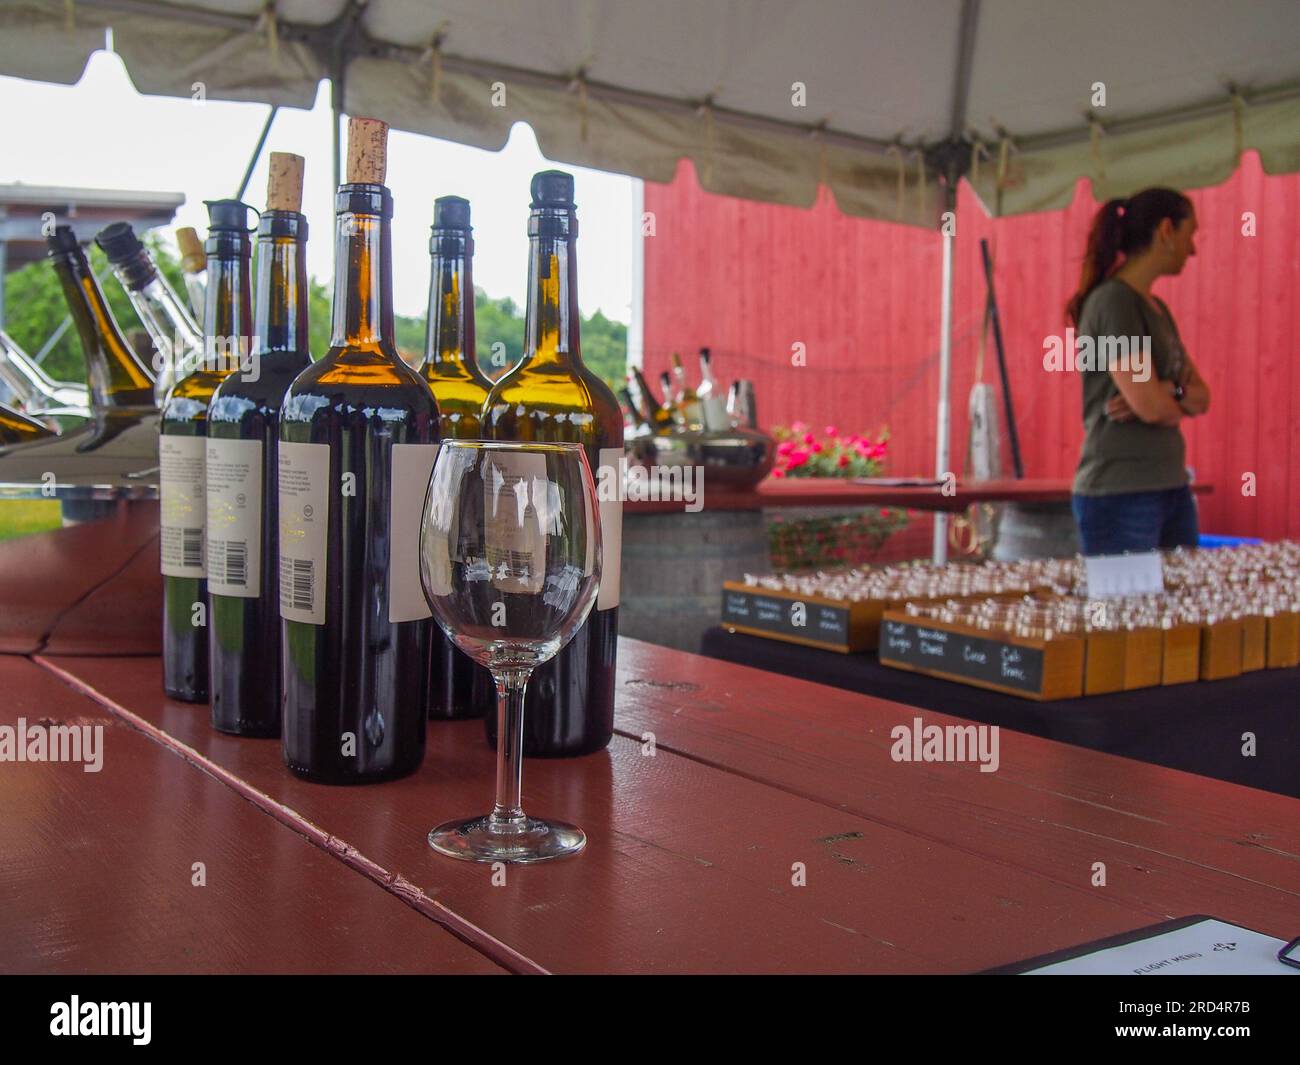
x=242 y=469
x=358 y=436
x=227 y=321
x=18 y=428
x=552 y=396
x=460 y=387
x=115 y=374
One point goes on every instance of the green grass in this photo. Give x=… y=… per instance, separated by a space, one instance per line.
x=18 y=517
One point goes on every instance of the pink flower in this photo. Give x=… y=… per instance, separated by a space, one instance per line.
x=778 y=473
x=798 y=427
x=831 y=431
x=785 y=447
x=845 y=459
x=884 y=512
x=797 y=458
x=816 y=448
x=808 y=438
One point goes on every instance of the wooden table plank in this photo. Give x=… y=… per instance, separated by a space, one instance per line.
x=96 y=868
x=1172 y=842
x=44 y=575
x=688 y=868
x=121 y=616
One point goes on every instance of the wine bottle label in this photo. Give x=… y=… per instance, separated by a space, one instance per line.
x=412 y=466
x=516 y=518
x=183 y=504
x=611 y=528
x=304 y=502
x=234 y=477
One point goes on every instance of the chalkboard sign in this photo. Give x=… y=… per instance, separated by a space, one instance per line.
x=940 y=650
x=789 y=618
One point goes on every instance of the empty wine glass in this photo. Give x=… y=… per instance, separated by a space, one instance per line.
x=510 y=563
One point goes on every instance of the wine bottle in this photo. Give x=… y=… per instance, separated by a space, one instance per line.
x=713 y=404
x=194 y=264
x=181 y=453
x=26 y=387
x=460 y=387
x=633 y=420
x=177 y=338
x=242 y=471
x=17 y=428
x=358 y=436
x=659 y=418
x=676 y=419
x=115 y=375
x=685 y=398
x=551 y=396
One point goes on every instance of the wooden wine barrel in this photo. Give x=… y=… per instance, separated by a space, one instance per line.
x=1036 y=530
x=673 y=568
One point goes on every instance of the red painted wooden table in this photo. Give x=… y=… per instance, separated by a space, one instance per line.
x=720 y=785
x=834 y=492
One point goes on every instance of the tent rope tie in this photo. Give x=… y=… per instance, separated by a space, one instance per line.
x=1095 y=132
x=435 y=71
x=69 y=15
x=578 y=84
x=896 y=150
x=978 y=150
x=1004 y=167
x=705 y=111
x=1238 y=118
x=266 y=22
x=920 y=181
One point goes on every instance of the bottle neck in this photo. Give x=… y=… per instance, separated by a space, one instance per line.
x=115 y=374
x=280 y=323
x=449 y=345
x=552 y=326
x=228 y=312
x=363 y=279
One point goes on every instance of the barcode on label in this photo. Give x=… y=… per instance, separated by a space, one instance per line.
x=228 y=562
x=301 y=580
x=192 y=547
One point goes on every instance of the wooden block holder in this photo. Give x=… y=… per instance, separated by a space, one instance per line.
x=1143 y=658
x=1254 y=642
x=1060 y=675
x=1180 y=654
x=1221 y=644
x=1283 y=640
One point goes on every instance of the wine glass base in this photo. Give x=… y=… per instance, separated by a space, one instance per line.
x=472 y=840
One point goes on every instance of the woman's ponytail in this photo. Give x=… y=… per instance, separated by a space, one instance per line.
x=1123 y=227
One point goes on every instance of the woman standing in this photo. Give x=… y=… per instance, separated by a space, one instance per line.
x=1131 y=489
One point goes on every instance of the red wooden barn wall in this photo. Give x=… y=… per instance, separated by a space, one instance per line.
x=751 y=280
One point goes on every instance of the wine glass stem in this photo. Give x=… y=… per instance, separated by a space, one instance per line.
x=508 y=814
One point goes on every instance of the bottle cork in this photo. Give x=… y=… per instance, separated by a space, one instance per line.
x=367 y=151
x=193 y=258
x=284 y=185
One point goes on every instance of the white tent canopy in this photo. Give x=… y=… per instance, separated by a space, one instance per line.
x=887 y=102
x=883 y=101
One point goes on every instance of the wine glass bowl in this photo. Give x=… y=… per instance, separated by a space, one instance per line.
x=510 y=562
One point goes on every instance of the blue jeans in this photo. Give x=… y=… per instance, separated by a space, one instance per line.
x=1136 y=521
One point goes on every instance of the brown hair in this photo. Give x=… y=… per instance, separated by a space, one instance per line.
x=1123 y=227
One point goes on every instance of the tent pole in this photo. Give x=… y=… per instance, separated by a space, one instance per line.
x=943 y=414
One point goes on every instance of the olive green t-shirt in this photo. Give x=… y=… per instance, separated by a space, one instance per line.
x=1127 y=456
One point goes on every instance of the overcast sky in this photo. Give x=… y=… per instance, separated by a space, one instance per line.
x=101 y=133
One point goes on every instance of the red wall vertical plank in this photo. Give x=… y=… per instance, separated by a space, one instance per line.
x=751 y=279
